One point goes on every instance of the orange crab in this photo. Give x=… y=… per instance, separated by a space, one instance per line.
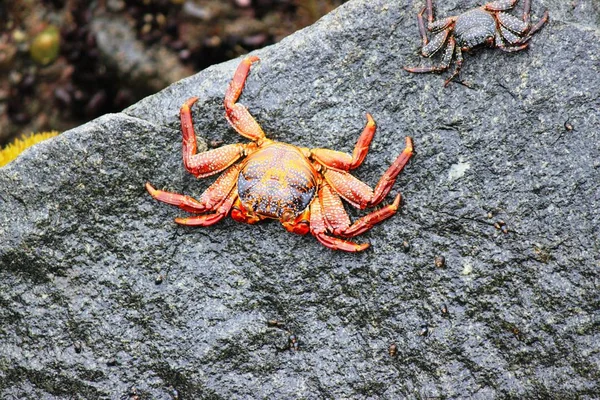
x=300 y=187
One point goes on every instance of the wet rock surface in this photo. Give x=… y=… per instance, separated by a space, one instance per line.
x=104 y=296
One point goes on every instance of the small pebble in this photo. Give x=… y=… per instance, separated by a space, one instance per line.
x=405 y=246
x=393 y=350
x=185 y=54
x=78 y=347
x=194 y=10
x=501 y=226
x=293 y=342
x=19 y=36
x=115 y=5
x=63 y=96
x=439 y=261
x=274 y=323
x=568 y=126
x=444 y=309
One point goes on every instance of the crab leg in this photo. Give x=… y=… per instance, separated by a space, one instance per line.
x=318 y=229
x=514 y=24
x=337 y=220
x=429 y=12
x=389 y=177
x=446 y=59
x=421 y=25
x=184 y=202
x=343 y=161
x=238 y=115
x=501 y=5
x=526 y=18
x=521 y=27
x=210 y=199
x=209 y=162
x=368 y=221
x=358 y=193
x=539 y=24
x=441 y=24
x=526 y=11
x=435 y=44
x=506 y=35
x=458 y=63
x=513 y=45
x=213 y=218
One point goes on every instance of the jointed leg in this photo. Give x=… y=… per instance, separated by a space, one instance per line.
x=389 y=177
x=521 y=27
x=506 y=35
x=512 y=49
x=539 y=24
x=459 y=62
x=184 y=202
x=358 y=193
x=352 y=189
x=318 y=229
x=432 y=26
x=335 y=216
x=429 y=12
x=238 y=116
x=337 y=220
x=213 y=161
x=514 y=24
x=527 y=11
x=368 y=221
x=421 y=25
x=440 y=24
x=435 y=44
x=501 y=5
x=343 y=161
x=210 y=219
x=209 y=162
x=446 y=60
x=513 y=44
x=209 y=200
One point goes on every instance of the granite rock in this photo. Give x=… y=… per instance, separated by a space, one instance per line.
x=103 y=296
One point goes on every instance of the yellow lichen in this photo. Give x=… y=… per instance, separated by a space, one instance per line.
x=13 y=149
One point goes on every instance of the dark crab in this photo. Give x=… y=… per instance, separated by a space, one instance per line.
x=488 y=25
x=298 y=186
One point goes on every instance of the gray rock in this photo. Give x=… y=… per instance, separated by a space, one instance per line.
x=82 y=243
x=138 y=67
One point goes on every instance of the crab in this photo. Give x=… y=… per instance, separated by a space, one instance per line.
x=488 y=25
x=300 y=187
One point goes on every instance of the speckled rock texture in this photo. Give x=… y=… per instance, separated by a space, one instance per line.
x=103 y=296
